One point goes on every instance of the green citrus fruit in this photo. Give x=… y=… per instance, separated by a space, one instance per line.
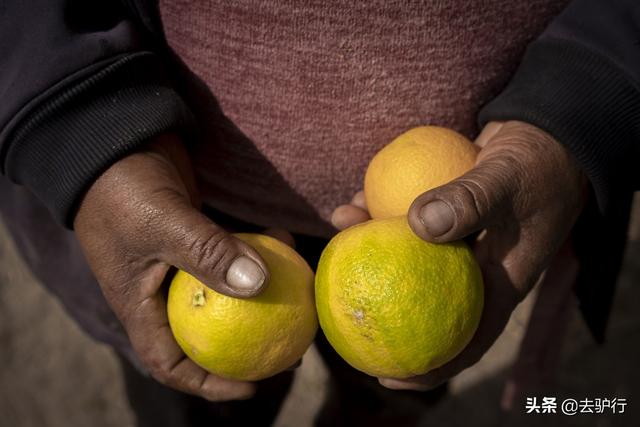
x=393 y=305
x=247 y=339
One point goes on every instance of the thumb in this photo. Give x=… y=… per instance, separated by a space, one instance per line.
x=221 y=261
x=467 y=204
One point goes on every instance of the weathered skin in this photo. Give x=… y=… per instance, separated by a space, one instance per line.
x=526 y=193
x=139 y=218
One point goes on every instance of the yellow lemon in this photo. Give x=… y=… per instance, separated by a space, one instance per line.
x=417 y=161
x=247 y=339
x=393 y=305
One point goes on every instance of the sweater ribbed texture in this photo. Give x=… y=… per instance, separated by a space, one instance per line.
x=560 y=88
x=67 y=142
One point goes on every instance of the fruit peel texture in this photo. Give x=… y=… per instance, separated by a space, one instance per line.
x=247 y=339
x=393 y=305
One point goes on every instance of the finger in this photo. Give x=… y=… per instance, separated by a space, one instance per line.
x=190 y=378
x=407 y=384
x=490 y=130
x=148 y=328
x=347 y=215
x=221 y=261
x=281 y=234
x=467 y=204
x=295 y=365
x=359 y=200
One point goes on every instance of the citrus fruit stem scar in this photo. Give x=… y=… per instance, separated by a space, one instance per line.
x=198 y=298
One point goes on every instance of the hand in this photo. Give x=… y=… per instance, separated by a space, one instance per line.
x=139 y=218
x=523 y=196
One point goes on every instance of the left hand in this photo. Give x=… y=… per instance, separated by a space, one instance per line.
x=524 y=193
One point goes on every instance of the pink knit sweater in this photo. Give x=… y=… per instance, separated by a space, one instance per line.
x=308 y=91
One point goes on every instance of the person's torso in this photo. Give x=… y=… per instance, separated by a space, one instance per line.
x=307 y=92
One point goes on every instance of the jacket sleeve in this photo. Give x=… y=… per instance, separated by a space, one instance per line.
x=82 y=83
x=580 y=81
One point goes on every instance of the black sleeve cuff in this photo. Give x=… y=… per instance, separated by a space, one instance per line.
x=63 y=145
x=586 y=102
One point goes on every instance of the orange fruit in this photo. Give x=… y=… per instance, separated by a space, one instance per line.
x=247 y=339
x=417 y=161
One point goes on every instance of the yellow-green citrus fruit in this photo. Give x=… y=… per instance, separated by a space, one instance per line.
x=417 y=161
x=393 y=305
x=247 y=339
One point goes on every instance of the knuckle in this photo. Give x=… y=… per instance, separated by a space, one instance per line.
x=220 y=396
x=159 y=372
x=470 y=199
x=195 y=383
x=161 y=378
x=159 y=369
x=210 y=248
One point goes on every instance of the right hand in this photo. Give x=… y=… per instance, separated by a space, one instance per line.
x=139 y=218
x=523 y=196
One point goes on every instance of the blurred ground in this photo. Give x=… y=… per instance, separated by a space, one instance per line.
x=53 y=375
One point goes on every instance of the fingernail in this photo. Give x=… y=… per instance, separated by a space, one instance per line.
x=245 y=274
x=437 y=217
x=394 y=384
x=387 y=382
